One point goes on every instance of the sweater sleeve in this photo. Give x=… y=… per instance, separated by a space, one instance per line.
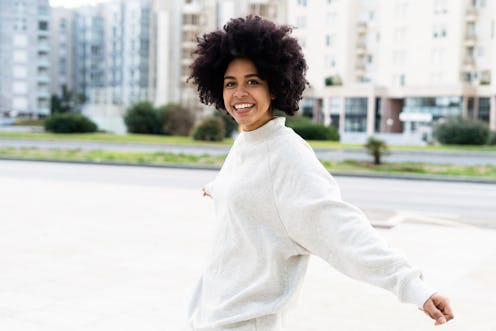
x=310 y=207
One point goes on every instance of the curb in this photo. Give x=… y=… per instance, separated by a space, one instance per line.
x=473 y=180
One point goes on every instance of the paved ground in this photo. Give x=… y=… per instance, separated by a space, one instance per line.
x=87 y=254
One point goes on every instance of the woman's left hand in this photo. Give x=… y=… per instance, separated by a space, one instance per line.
x=438 y=308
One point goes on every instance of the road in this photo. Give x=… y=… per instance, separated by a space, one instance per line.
x=98 y=248
x=467 y=203
x=451 y=157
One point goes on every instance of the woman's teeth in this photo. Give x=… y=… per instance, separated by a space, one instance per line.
x=243 y=106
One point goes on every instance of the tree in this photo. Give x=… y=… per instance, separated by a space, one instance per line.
x=65 y=103
x=377 y=148
x=61 y=104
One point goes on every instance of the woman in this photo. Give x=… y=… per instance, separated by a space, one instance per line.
x=275 y=202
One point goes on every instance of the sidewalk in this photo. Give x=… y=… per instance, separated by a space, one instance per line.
x=92 y=256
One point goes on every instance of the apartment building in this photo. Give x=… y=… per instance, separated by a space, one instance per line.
x=401 y=76
x=61 y=46
x=111 y=52
x=24 y=58
x=108 y=52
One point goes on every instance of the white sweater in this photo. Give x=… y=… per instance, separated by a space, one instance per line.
x=276 y=204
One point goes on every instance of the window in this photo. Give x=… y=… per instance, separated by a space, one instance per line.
x=371 y=16
x=355 y=115
x=328 y=40
x=301 y=22
x=43 y=26
x=443 y=31
x=480 y=51
x=440 y=7
x=439 y=31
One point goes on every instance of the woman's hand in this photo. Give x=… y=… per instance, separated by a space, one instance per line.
x=438 y=308
x=205 y=194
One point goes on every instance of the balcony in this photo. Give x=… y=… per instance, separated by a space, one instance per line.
x=470 y=39
x=471 y=14
x=361 y=28
x=360 y=69
x=43 y=79
x=43 y=94
x=468 y=63
x=43 y=62
x=361 y=48
x=43 y=47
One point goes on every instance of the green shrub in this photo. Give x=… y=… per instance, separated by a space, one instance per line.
x=461 y=131
x=142 y=118
x=175 y=120
x=312 y=131
x=69 y=123
x=230 y=124
x=210 y=129
x=492 y=138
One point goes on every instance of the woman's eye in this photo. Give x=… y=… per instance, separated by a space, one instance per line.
x=229 y=84
x=253 y=82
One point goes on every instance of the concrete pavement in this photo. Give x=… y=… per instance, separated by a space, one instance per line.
x=81 y=254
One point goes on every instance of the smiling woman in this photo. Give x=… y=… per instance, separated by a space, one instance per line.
x=276 y=204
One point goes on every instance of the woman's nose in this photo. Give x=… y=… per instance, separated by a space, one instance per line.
x=239 y=92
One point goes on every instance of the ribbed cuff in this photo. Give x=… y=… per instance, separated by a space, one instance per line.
x=417 y=292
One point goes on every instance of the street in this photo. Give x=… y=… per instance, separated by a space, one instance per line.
x=460 y=202
x=88 y=247
x=437 y=157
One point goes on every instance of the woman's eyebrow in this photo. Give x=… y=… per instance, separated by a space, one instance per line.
x=246 y=76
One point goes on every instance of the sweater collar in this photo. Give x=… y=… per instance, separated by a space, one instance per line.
x=265 y=131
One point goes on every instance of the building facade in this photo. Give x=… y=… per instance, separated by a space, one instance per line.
x=61 y=46
x=398 y=76
x=373 y=69
x=24 y=58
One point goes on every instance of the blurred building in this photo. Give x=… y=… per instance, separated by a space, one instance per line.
x=111 y=50
x=379 y=67
x=386 y=73
x=24 y=57
x=61 y=46
x=108 y=56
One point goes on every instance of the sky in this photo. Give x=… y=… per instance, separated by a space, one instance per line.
x=74 y=3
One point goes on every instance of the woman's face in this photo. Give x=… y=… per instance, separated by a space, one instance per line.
x=246 y=95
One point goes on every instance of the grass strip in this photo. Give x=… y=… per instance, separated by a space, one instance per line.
x=175 y=140
x=113 y=138
x=161 y=158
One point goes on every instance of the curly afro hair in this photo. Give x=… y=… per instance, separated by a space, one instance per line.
x=277 y=56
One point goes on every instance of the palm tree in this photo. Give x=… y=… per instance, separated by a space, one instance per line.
x=376 y=148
